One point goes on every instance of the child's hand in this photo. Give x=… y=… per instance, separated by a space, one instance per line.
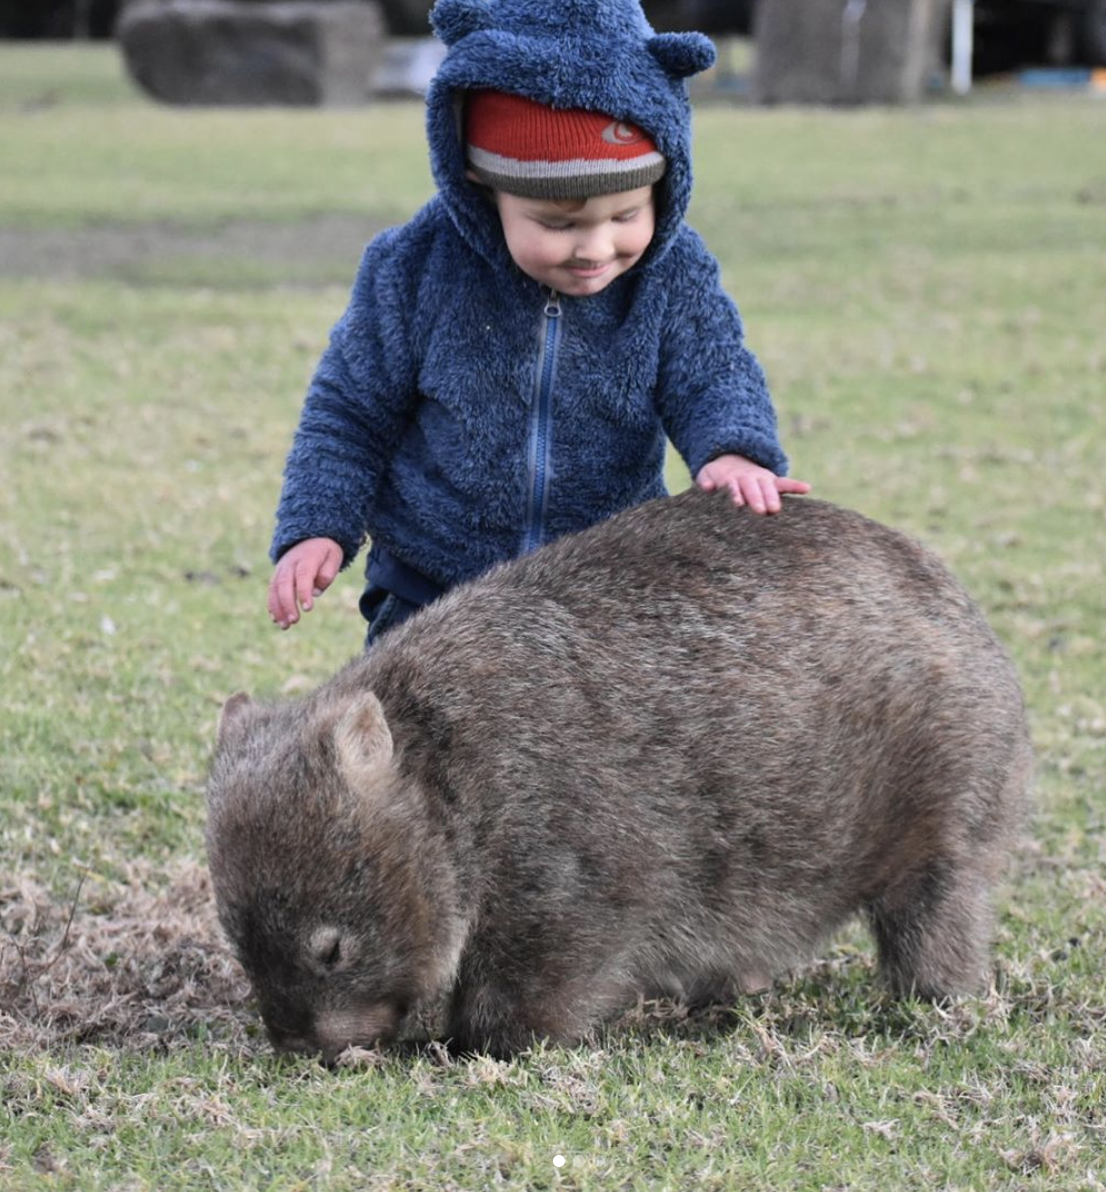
x=303 y=573
x=748 y=483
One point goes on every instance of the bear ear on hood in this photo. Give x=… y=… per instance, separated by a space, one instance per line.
x=682 y=54
x=454 y=19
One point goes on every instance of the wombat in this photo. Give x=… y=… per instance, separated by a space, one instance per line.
x=665 y=755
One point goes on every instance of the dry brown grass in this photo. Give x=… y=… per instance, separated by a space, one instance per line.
x=138 y=965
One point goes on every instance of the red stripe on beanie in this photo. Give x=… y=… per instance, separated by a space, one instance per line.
x=523 y=147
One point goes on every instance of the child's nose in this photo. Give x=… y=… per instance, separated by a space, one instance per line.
x=594 y=244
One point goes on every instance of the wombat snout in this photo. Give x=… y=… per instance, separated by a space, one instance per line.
x=333 y=1031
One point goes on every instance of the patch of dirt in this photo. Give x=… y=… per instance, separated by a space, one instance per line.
x=322 y=245
x=144 y=967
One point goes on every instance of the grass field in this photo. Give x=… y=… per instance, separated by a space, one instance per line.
x=927 y=290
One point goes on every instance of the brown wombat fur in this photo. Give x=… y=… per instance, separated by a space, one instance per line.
x=669 y=754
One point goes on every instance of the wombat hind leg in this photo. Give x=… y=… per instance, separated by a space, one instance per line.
x=933 y=928
x=728 y=990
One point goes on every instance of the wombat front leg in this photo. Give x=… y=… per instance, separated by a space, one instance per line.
x=501 y=1019
x=933 y=927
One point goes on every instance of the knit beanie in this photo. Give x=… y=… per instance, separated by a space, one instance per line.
x=525 y=148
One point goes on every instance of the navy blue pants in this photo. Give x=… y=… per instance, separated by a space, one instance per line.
x=394 y=592
x=383 y=610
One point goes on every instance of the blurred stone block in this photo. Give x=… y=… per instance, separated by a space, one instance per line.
x=295 y=52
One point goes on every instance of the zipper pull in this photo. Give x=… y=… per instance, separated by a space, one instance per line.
x=553 y=305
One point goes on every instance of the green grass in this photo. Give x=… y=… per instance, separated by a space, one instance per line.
x=82 y=148
x=925 y=289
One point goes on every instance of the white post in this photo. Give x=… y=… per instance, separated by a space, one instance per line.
x=849 y=71
x=962 y=34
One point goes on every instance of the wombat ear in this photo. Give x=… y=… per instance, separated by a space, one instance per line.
x=324 y=948
x=363 y=740
x=232 y=711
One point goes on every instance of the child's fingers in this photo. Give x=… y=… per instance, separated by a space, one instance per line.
x=282 y=599
x=769 y=496
x=305 y=587
x=754 y=491
x=757 y=488
x=302 y=575
x=329 y=569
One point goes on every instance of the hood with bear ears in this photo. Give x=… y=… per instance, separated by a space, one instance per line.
x=601 y=55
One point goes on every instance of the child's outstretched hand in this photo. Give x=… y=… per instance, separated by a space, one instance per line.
x=748 y=483
x=303 y=573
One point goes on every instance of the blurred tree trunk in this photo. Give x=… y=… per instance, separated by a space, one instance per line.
x=847 y=51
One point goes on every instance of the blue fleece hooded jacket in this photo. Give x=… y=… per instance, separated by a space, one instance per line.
x=458 y=416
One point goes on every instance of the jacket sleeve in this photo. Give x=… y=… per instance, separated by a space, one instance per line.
x=712 y=393
x=355 y=412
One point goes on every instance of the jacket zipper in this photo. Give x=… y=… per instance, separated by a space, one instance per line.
x=541 y=419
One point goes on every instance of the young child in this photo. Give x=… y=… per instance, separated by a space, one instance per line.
x=514 y=358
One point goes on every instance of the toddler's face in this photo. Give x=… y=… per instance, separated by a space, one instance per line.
x=578 y=249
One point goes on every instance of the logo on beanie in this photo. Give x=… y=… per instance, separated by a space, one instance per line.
x=619 y=133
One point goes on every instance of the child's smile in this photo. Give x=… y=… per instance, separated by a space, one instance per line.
x=577 y=248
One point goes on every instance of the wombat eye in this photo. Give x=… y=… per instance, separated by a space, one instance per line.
x=326 y=946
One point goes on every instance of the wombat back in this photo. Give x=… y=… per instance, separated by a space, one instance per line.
x=668 y=754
